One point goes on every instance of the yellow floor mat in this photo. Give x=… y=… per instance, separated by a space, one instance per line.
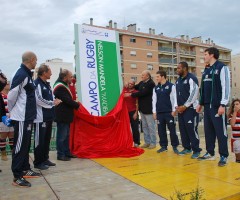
x=166 y=173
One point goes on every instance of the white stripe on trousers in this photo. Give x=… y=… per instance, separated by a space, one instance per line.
x=37 y=135
x=20 y=136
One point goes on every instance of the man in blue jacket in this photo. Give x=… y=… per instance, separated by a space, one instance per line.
x=214 y=96
x=187 y=100
x=164 y=105
x=22 y=109
x=45 y=117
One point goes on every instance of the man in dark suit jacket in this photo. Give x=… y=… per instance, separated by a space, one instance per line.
x=144 y=95
x=64 y=114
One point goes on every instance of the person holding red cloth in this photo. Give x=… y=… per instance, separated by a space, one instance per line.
x=132 y=106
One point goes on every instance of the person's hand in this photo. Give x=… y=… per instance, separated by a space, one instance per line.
x=135 y=116
x=57 y=101
x=173 y=113
x=199 y=109
x=221 y=110
x=154 y=116
x=181 y=109
x=127 y=94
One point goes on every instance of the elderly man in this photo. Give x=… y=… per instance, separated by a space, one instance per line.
x=144 y=95
x=22 y=109
x=64 y=114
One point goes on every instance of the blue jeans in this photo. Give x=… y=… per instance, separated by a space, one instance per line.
x=149 y=128
x=63 y=139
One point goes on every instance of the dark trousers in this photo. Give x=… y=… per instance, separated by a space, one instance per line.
x=166 y=119
x=135 y=128
x=63 y=139
x=21 y=147
x=43 y=132
x=215 y=126
x=188 y=126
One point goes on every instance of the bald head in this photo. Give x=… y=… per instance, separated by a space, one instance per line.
x=29 y=59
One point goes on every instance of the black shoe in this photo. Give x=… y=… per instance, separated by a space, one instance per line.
x=41 y=166
x=64 y=158
x=21 y=182
x=71 y=156
x=31 y=174
x=49 y=163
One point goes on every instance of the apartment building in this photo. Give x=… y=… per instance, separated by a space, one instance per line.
x=235 y=76
x=140 y=51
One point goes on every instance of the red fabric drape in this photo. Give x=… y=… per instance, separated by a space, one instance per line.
x=103 y=137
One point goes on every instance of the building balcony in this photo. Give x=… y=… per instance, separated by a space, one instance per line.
x=167 y=61
x=224 y=57
x=185 y=52
x=167 y=49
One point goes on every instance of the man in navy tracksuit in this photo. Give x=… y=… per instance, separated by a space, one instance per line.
x=187 y=94
x=45 y=117
x=164 y=105
x=22 y=109
x=214 y=96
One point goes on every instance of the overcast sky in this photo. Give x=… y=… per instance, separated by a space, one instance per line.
x=46 y=26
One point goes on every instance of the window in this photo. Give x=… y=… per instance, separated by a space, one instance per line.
x=149 y=42
x=149 y=55
x=134 y=78
x=133 y=40
x=133 y=53
x=235 y=84
x=201 y=60
x=150 y=67
x=133 y=65
x=201 y=50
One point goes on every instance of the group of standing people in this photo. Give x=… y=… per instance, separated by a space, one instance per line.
x=186 y=99
x=32 y=104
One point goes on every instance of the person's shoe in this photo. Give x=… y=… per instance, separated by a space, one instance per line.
x=222 y=162
x=175 y=150
x=163 y=149
x=152 y=146
x=4 y=156
x=207 y=156
x=71 y=156
x=49 y=163
x=136 y=145
x=184 y=152
x=64 y=158
x=21 y=182
x=41 y=166
x=237 y=161
x=145 y=145
x=195 y=155
x=31 y=174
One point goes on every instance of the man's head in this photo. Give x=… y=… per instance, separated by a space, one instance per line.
x=131 y=84
x=146 y=75
x=65 y=76
x=211 y=55
x=182 y=68
x=161 y=76
x=44 y=72
x=29 y=59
